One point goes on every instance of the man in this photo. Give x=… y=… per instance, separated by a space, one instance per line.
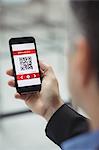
x=83 y=85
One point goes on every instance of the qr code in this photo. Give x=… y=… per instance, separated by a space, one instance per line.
x=25 y=63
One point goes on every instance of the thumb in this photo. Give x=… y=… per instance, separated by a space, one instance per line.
x=46 y=69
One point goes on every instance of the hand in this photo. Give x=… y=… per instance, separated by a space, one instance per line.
x=47 y=101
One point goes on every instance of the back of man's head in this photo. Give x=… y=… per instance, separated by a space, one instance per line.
x=87 y=14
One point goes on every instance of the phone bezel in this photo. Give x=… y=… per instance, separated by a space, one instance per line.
x=23 y=40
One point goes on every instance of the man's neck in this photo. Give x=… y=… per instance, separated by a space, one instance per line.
x=91 y=106
x=93 y=112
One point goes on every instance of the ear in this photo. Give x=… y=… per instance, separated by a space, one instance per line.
x=83 y=60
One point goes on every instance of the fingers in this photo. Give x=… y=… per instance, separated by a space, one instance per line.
x=10 y=72
x=17 y=96
x=26 y=97
x=11 y=83
x=22 y=97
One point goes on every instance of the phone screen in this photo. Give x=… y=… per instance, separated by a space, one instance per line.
x=26 y=64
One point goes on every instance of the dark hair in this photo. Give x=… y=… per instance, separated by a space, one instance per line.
x=87 y=14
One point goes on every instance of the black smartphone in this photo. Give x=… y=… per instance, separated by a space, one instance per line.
x=25 y=64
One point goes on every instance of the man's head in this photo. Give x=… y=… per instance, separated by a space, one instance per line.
x=84 y=61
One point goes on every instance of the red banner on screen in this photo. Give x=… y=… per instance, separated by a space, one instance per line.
x=28 y=76
x=23 y=52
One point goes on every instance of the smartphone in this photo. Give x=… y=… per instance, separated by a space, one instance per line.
x=25 y=64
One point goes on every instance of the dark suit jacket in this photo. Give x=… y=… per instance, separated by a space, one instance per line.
x=65 y=124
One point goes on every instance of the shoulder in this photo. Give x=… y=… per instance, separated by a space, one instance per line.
x=83 y=142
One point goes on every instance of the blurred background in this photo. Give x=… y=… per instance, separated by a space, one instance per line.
x=46 y=21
